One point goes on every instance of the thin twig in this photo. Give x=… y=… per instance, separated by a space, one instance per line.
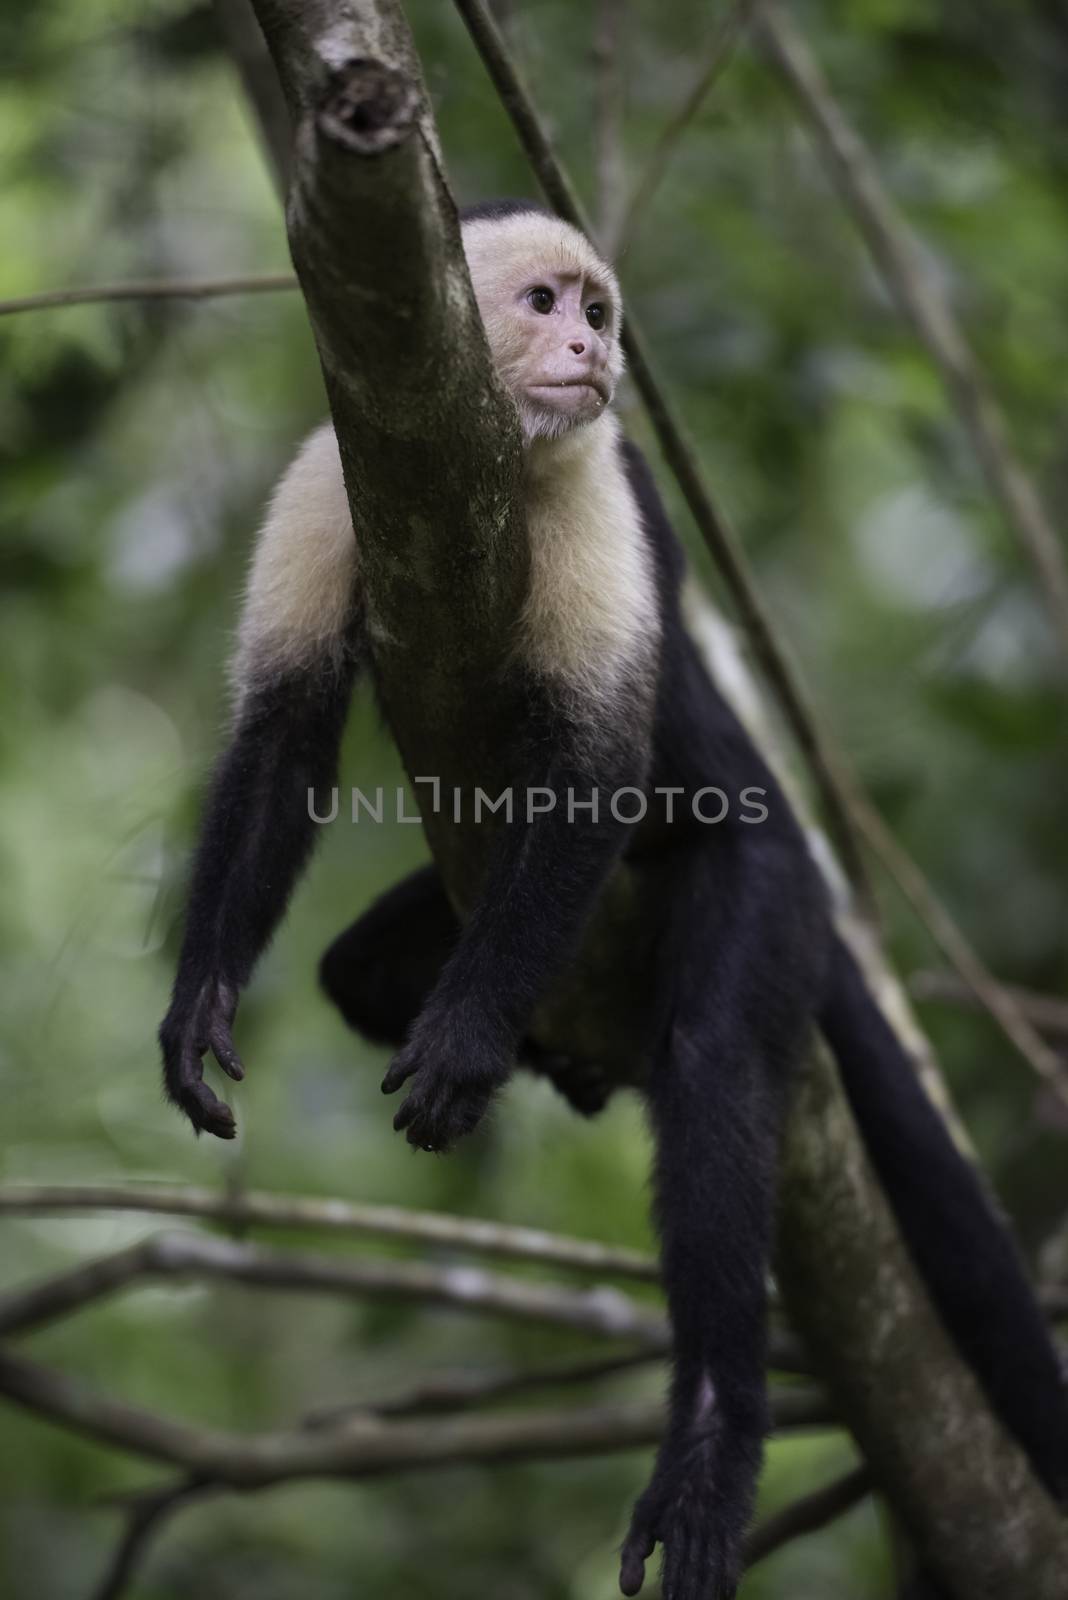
x=364 y=1446
x=462 y=1391
x=602 y=1311
x=144 y=1517
x=149 y=289
x=608 y=30
x=721 y=50
x=993 y=997
x=256 y=1208
x=1045 y=1012
x=458 y=1391
x=807 y=1515
x=900 y=258
x=848 y=810
x=717 y=532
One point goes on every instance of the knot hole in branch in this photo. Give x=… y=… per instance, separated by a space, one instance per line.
x=368 y=107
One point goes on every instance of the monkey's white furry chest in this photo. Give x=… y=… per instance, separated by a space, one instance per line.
x=590 y=615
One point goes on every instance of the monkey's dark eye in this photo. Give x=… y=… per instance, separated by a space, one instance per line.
x=541 y=299
x=596 y=316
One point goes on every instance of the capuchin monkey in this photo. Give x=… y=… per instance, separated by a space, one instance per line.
x=741 y=956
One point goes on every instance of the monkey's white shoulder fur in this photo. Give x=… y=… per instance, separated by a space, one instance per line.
x=589 y=616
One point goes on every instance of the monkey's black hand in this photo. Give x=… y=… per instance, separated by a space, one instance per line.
x=189 y=1029
x=700 y=1552
x=457 y=1061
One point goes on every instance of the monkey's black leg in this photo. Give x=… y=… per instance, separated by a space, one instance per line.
x=741 y=966
x=380 y=971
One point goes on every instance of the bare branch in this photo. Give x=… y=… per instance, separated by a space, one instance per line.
x=608 y=31
x=145 y=1510
x=461 y=1391
x=149 y=289
x=364 y=1446
x=1000 y=1003
x=1043 y=1011
x=443 y=1394
x=257 y=1208
x=144 y=1518
x=721 y=50
x=602 y=1311
x=807 y=1515
x=900 y=258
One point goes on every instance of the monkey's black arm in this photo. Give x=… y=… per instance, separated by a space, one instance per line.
x=256 y=836
x=543 y=879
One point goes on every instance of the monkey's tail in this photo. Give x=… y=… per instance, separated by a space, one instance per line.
x=960 y=1246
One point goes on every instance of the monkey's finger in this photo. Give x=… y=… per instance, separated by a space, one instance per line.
x=637 y=1548
x=405 y=1115
x=401 y=1068
x=206 y=1112
x=222 y=1048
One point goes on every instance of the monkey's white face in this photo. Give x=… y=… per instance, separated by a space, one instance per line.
x=551 y=310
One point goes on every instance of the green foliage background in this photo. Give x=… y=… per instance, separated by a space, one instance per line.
x=137 y=445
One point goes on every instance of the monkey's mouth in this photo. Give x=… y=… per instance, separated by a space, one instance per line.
x=558 y=389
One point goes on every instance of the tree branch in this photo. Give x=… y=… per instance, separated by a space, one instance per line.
x=608 y=30
x=413 y=394
x=602 y=1311
x=149 y=289
x=146 y=1514
x=724 y=40
x=364 y=1446
x=807 y=1515
x=900 y=259
x=256 y=1208
x=1000 y=1003
x=1045 y=1012
x=461 y=1391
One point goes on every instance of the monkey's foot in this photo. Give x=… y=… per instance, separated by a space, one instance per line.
x=455 y=1073
x=700 y=1551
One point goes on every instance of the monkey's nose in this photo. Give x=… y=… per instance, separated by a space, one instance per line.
x=576 y=347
